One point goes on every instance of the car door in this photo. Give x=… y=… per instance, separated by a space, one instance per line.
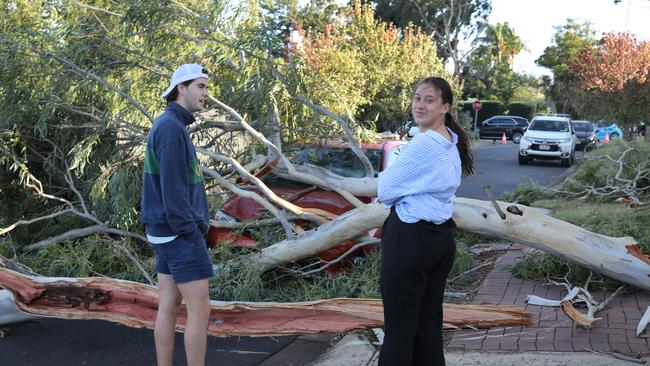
x=506 y=125
x=488 y=128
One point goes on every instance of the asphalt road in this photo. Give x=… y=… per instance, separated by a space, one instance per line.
x=92 y=342
x=498 y=167
x=58 y=342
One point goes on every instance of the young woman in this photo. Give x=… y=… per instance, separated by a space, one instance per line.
x=418 y=249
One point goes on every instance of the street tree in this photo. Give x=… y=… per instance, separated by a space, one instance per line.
x=446 y=21
x=488 y=72
x=367 y=68
x=568 y=40
x=80 y=88
x=505 y=43
x=613 y=79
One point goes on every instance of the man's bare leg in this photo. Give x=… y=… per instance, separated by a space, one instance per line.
x=165 y=327
x=197 y=301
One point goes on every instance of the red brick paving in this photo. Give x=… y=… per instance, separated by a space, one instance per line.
x=552 y=330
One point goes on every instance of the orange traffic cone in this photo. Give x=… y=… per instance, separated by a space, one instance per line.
x=503 y=139
x=606 y=140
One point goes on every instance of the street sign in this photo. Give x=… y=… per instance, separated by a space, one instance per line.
x=476 y=104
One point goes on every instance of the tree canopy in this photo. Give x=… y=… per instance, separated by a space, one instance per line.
x=568 y=40
x=80 y=86
x=614 y=79
x=446 y=21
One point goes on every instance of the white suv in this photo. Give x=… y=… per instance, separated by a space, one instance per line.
x=549 y=138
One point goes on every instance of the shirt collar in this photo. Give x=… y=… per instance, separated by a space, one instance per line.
x=443 y=140
x=181 y=113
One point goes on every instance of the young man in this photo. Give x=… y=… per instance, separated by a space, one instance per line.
x=175 y=215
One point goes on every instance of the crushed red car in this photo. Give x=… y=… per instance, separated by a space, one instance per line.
x=334 y=156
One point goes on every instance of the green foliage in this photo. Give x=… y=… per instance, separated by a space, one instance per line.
x=463 y=261
x=445 y=20
x=488 y=73
x=94 y=256
x=470 y=239
x=526 y=110
x=599 y=170
x=312 y=16
x=240 y=281
x=526 y=194
x=367 y=69
x=569 y=39
x=540 y=266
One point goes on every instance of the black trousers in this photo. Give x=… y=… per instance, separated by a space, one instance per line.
x=416 y=259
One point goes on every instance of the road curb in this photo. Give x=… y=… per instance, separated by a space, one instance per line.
x=355 y=349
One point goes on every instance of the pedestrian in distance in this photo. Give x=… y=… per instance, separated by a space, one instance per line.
x=640 y=130
x=418 y=248
x=174 y=210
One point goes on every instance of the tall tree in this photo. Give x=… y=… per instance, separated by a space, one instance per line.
x=568 y=40
x=505 y=43
x=446 y=21
x=488 y=71
x=367 y=67
x=613 y=79
x=312 y=16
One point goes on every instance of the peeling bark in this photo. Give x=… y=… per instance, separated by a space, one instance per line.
x=617 y=258
x=135 y=305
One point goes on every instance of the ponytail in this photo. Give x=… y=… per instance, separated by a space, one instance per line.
x=451 y=121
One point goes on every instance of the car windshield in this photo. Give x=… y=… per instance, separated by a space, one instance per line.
x=549 y=125
x=582 y=126
x=339 y=160
x=602 y=123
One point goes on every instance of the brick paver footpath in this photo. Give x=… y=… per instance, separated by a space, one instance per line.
x=552 y=330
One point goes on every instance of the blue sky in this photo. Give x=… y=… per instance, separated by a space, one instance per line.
x=533 y=21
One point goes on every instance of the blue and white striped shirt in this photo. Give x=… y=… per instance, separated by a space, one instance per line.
x=423 y=179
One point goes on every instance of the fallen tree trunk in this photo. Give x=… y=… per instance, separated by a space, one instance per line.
x=617 y=258
x=135 y=305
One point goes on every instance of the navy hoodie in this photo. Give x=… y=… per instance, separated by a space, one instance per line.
x=173 y=197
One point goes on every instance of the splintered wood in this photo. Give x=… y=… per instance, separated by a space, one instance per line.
x=135 y=305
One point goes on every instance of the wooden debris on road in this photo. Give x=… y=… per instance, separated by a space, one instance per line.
x=135 y=305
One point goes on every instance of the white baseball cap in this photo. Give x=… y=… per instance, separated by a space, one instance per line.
x=184 y=72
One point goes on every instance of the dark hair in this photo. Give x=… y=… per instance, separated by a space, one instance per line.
x=173 y=95
x=451 y=121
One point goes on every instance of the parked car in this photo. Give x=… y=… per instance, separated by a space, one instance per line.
x=604 y=127
x=549 y=138
x=494 y=127
x=333 y=156
x=585 y=134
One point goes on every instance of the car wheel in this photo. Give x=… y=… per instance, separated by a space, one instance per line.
x=567 y=162
x=516 y=137
x=523 y=160
x=614 y=136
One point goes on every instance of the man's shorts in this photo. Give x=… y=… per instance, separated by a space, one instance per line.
x=184 y=258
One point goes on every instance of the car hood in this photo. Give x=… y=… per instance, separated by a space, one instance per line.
x=583 y=135
x=547 y=135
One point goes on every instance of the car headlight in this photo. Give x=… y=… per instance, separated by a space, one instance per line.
x=565 y=141
x=526 y=139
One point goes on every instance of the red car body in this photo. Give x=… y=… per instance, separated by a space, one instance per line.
x=242 y=209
